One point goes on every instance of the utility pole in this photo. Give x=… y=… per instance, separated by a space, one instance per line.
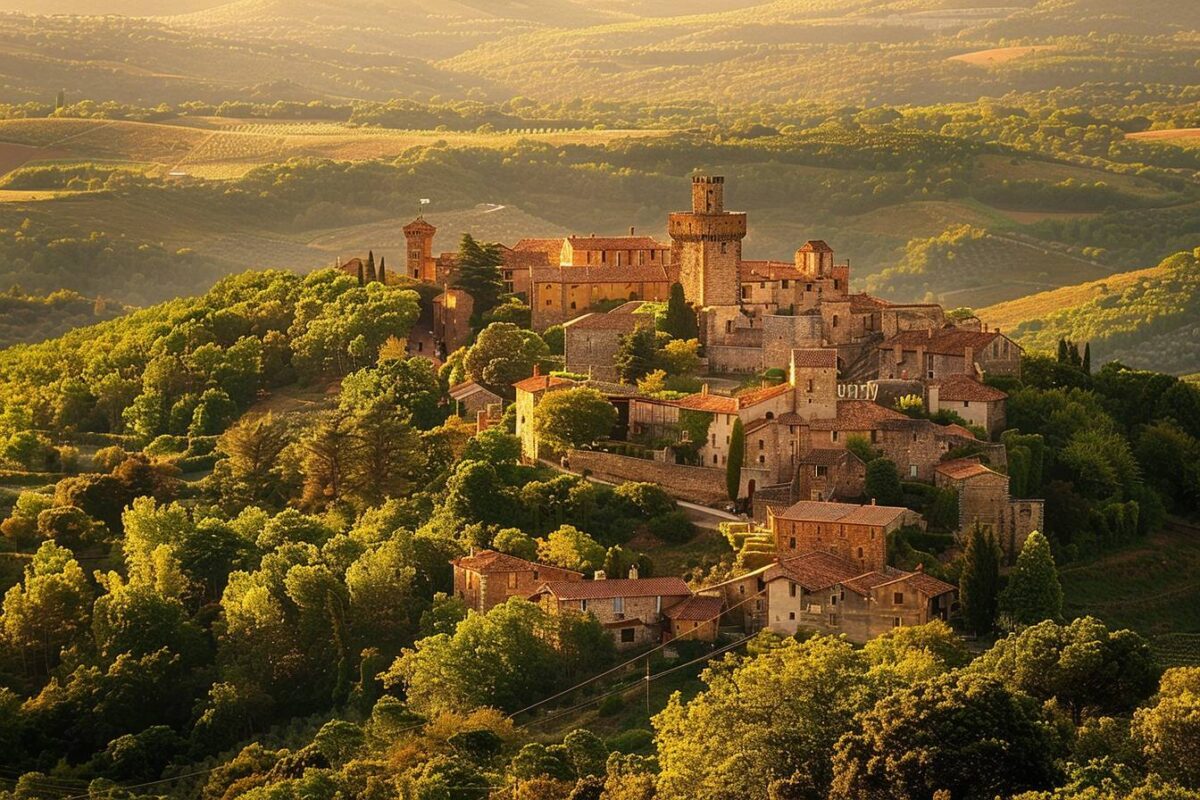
x=647 y=686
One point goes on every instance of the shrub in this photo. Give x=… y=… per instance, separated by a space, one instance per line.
x=636 y=740
x=673 y=527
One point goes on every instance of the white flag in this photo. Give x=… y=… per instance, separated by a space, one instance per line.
x=425 y=201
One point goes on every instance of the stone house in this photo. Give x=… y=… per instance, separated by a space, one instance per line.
x=613 y=251
x=856 y=534
x=984 y=498
x=977 y=403
x=470 y=398
x=420 y=263
x=631 y=609
x=696 y=619
x=933 y=355
x=529 y=394
x=558 y=294
x=592 y=340
x=822 y=592
x=488 y=578
x=828 y=474
x=452 y=311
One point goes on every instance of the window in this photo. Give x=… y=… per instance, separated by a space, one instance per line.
x=618 y=605
x=535 y=574
x=548 y=301
x=791 y=615
x=572 y=304
x=833 y=435
x=714 y=458
x=833 y=620
x=966 y=403
x=792 y=542
x=833 y=599
x=628 y=635
x=810 y=385
x=822 y=471
x=742 y=589
x=784 y=283
x=762 y=444
x=512 y=580
x=896 y=622
x=791 y=589
x=860 y=552
x=762 y=459
x=898 y=598
x=912 y=470
x=723 y=245
x=583 y=605
x=835 y=320
x=758 y=605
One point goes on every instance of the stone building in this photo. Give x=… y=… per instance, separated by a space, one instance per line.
x=631 y=609
x=934 y=355
x=591 y=341
x=420 y=263
x=558 y=294
x=977 y=403
x=706 y=245
x=830 y=474
x=984 y=498
x=470 y=398
x=613 y=251
x=696 y=619
x=452 y=310
x=822 y=592
x=488 y=578
x=856 y=534
x=529 y=393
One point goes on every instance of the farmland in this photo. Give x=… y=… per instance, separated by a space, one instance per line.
x=1001 y=55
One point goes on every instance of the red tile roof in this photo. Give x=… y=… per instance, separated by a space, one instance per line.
x=863 y=584
x=859 y=415
x=750 y=271
x=962 y=468
x=816 y=246
x=616 y=587
x=842 y=513
x=813 y=571
x=697 y=608
x=944 y=341
x=487 y=561
x=419 y=225
x=612 y=321
x=467 y=388
x=616 y=243
x=964 y=387
x=815 y=358
x=551 y=247
x=723 y=404
x=537 y=383
x=924 y=583
x=862 y=303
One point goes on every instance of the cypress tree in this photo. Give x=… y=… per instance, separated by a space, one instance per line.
x=370 y=276
x=1063 y=358
x=383 y=270
x=361 y=280
x=979 y=582
x=1033 y=593
x=680 y=319
x=1087 y=358
x=737 y=452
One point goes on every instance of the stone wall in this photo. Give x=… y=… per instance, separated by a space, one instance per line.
x=782 y=334
x=703 y=485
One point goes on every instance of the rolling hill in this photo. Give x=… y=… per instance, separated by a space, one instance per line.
x=1147 y=318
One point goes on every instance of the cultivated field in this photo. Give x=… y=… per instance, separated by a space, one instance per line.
x=1001 y=55
x=1038 y=306
x=1183 y=137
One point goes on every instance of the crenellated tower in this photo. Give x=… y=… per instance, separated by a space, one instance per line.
x=420 y=262
x=706 y=245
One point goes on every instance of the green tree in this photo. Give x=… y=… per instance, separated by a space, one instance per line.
x=967 y=735
x=883 y=483
x=1083 y=666
x=573 y=418
x=517 y=543
x=979 y=581
x=1033 y=592
x=571 y=548
x=637 y=354
x=410 y=385
x=737 y=454
x=502 y=355
x=779 y=713
x=1169 y=730
x=252 y=447
x=48 y=609
x=479 y=273
x=214 y=413
x=680 y=319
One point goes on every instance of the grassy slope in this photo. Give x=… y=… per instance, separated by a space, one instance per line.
x=1150 y=587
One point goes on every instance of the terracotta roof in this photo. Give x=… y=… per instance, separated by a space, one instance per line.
x=626 y=273
x=522 y=259
x=924 y=583
x=468 y=388
x=859 y=415
x=537 y=383
x=551 y=247
x=826 y=457
x=863 y=584
x=612 y=321
x=815 y=358
x=964 y=387
x=750 y=271
x=962 y=468
x=960 y=430
x=616 y=243
x=616 y=587
x=697 y=608
x=723 y=404
x=493 y=561
x=419 y=225
x=814 y=571
x=842 y=513
x=864 y=302
x=815 y=246
x=944 y=341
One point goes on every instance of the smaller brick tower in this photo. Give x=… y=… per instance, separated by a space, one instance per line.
x=706 y=244
x=420 y=262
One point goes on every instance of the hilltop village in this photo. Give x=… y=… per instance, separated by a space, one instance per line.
x=815 y=553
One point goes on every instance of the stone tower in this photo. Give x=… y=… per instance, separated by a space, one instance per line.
x=420 y=263
x=706 y=245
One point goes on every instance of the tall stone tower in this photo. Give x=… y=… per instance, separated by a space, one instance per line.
x=420 y=263
x=706 y=244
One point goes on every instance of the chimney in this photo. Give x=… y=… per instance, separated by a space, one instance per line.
x=599 y=575
x=704 y=389
x=930 y=332
x=872 y=501
x=920 y=567
x=537 y=370
x=633 y=573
